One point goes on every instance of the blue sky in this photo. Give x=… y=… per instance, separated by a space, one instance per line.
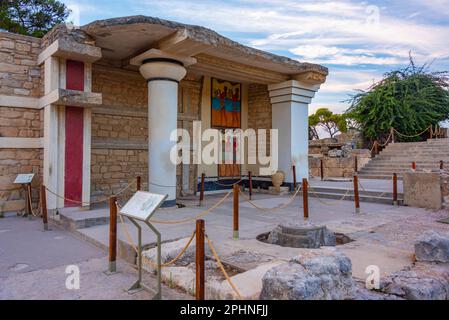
x=357 y=40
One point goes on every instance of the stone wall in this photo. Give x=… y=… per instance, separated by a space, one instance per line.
x=21 y=122
x=259 y=114
x=19 y=72
x=13 y=162
x=120 y=129
x=339 y=167
x=19 y=77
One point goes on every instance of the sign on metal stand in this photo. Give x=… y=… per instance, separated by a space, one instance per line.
x=25 y=180
x=140 y=208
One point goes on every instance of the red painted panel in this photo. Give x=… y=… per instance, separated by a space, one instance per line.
x=75 y=75
x=74 y=127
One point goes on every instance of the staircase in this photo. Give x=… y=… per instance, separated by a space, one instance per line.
x=398 y=158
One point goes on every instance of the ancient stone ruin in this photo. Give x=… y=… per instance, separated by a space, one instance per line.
x=302 y=235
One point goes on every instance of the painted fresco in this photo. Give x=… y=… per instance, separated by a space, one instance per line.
x=226 y=104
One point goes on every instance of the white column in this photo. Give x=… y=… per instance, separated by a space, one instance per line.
x=290 y=105
x=52 y=121
x=163 y=76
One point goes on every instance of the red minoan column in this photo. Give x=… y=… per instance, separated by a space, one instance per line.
x=74 y=137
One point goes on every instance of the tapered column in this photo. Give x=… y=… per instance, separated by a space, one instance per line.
x=163 y=76
x=290 y=105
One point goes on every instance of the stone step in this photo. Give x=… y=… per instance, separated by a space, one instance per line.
x=73 y=219
x=378 y=176
x=384 y=199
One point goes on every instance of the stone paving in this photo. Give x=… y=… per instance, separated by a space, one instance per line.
x=383 y=235
x=33 y=266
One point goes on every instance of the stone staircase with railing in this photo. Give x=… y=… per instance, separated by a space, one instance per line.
x=398 y=158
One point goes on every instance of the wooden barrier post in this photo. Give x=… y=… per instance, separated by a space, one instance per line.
x=139 y=183
x=376 y=147
x=441 y=165
x=395 y=189
x=321 y=169
x=356 y=164
x=250 y=178
x=305 y=198
x=294 y=178
x=414 y=165
x=356 y=194
x=236 y=212
x=200 y=275
x=203 y=177
x=392 y=136
x=112 y=234
x=29 y=201
x=44 y=207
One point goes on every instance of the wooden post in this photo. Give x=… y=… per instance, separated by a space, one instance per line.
x=250 y=178
x=200 y=275
x=441 y=164
x=356 y=194
x=203 y=177
x=431 y=131
x=305 y=198
x=29 y=200
x=376 y=147
x=139 y=183
x=414 y=165
x=236 y=212
x=356 y=164
x=321 y=169
x=392 y=135
x=112 y=234
x=395 y=189
x=44 y=207
x=294 y=178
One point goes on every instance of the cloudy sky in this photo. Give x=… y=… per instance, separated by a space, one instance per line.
x=357 y=41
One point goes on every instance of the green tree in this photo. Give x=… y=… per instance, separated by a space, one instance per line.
x=332 y=123
x=31 y=17
x=408 y=100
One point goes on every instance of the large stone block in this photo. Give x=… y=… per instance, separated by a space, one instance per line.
x=423 y=190
x=324 y=275
x=432 y=247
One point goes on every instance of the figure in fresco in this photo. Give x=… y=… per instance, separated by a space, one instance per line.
x=226 y=104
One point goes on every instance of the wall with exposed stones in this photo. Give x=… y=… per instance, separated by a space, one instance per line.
x=120 y=129
x=339 y=167
x=259 y=115
x=20 y=77
x=19 y=72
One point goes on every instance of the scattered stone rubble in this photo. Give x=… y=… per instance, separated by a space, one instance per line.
x=427 y=279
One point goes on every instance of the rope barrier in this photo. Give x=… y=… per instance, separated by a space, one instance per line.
x=285 y=205
x=220 y=264
x=31 y=204
x=145 y=259
x=411 y=136
x=227 y=185
x=82 y=203
x=329 y=203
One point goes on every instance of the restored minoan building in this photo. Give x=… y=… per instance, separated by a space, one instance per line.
x=89 y=108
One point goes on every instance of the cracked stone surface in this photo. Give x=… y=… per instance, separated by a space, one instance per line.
x=432 y=247
x=423 y=281
x=321 y=275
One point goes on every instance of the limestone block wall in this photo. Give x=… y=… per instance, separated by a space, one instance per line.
x=259 y=114
x=339 y=167
x=19 y=73
x=19 y=77
x=120 y=129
